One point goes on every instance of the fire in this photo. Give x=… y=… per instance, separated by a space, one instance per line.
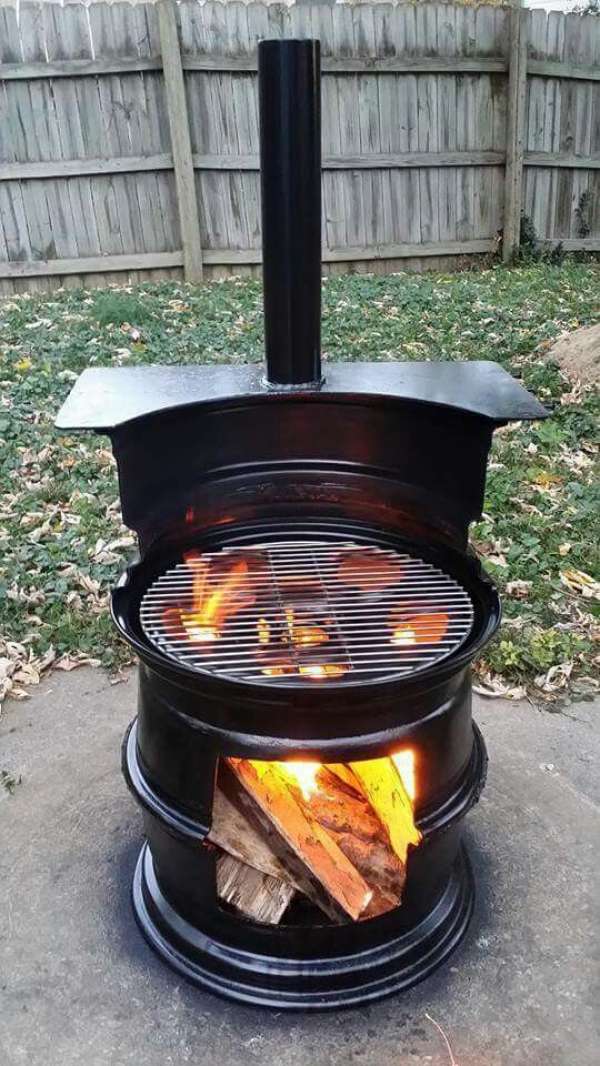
x=306 y=636
x=309 y=636
x=348 y=828
x=404 y=761
x=320 y=670
x=420 y=629
x=212 y=606
x=316 y=671
x=304 y=774
x=276 y=649
x=404 y=635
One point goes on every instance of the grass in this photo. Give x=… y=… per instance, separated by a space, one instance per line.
x=62 y=544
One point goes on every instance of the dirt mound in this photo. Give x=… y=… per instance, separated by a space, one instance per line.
x=578 y=355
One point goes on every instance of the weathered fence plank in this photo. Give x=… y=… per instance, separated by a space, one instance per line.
x=73 y=68
x=553 y=69
x=233 y=257
x=424 y=135
x=180 y=140
x=517 y=91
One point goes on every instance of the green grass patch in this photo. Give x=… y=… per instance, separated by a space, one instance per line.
x=62 y=544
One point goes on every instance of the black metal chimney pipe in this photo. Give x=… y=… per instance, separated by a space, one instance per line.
x=289 y=81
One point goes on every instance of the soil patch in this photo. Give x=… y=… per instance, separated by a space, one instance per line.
x=578 y=354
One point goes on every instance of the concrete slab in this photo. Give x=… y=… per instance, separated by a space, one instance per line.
x=79 y=986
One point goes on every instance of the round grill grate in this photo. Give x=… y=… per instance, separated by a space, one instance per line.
x=304 y=611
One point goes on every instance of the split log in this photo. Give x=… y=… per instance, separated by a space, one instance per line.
x=234 y=833
x=309 y=847
x=281 y=856
x=389 y=799
x=249 y=876
x=347 y=816
x=343 y=771
x=257 y=895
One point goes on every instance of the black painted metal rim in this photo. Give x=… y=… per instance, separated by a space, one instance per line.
x=320 y=983
x=436 y=818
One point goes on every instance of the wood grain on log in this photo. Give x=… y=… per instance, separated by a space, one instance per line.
x=342 y=842
x=257 y=895
x=351 y=822
x=343 y=771
x=385 y=791
x=233 y=832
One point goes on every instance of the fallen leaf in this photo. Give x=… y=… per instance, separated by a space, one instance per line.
x=545 y=479
x=71 y=662
x=497 y=560
x=556 y=678
x=519 y=589
x=493 y=687
x=581 y=583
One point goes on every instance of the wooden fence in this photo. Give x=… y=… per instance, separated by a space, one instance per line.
x=129 y=135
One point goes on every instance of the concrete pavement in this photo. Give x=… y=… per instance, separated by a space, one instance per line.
x=79 y=987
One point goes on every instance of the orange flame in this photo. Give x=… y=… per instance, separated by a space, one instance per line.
x=277 y=670
x=307 y=636
x=280 y=660
x=212 y=607
x=316 y=671
x=404 y=761
x=304 y=774
x=319 y=670
x=420 y=629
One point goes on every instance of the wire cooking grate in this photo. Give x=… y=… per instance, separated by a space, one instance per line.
x=306 y=611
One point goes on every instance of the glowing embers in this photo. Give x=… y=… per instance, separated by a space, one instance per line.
x=337 y=834
x=418 y=628
x=306 y=612
x=303 y=641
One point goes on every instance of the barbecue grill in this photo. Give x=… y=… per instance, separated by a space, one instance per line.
x=305 y=603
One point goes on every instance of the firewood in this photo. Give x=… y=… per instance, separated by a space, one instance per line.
x=257 y=895
x=311 y=845
x=351 y=822
x=362 y=810
x=343 y=771
x=385 y=791
x=234 y=833
x=272 y=843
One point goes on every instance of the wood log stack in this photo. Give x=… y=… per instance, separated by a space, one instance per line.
x=337 y=834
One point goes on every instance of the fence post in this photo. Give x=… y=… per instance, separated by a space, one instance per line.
x=180 y=140
x=517 y=92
